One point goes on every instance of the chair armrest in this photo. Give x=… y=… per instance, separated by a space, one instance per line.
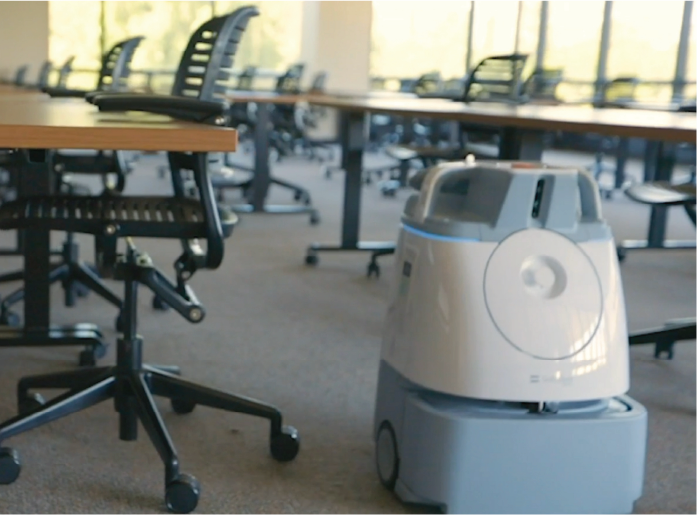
x=65 y=92
x=181 y=108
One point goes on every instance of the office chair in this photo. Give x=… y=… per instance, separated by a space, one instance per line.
x=387 y=132
x=113 y=73
x=494 y=79
x=44 y=75
x=307 y=117
x=64 y=72
x=205 y=65
x=618 y=93
x=20 y=75
x=76 y=277
x=541 y=86
x=282 y=135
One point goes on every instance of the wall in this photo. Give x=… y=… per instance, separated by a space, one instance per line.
x=336 y=39
x=23 y=37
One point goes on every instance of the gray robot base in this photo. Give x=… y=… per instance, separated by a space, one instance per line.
x=471 y=456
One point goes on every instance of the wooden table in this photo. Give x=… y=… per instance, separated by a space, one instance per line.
x=522 y=128
x=35 y=126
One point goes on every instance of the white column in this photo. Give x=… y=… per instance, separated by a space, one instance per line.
x=23 y=37
x=336 y=39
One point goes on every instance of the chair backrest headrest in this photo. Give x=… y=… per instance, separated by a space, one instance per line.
x=497 y=79
x=116 y=65
x=206 y=65
x=289 y=82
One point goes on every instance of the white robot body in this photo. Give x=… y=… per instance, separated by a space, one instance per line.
x=490 y=320
x=505 y=355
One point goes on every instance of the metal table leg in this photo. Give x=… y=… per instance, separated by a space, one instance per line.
x=262 y=174
x=352 y=137
x=35 y=179
x=515 y=144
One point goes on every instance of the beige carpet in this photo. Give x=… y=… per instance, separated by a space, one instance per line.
x=307 y=339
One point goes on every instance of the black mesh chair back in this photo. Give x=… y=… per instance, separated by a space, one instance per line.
x=621 y=90
x=21 y=75
x=64 y=72
x=44 y=74
x=289 y=82
x=206 y=65
x=245 y=81
x=116 y=65
x=319 y=83
x=497 y=79
x=428 y=83
x=542 y=84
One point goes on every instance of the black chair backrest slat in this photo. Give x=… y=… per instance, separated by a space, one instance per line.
x=497 y=79
x=64 y=72
x=289 y=82
x=209 y=56
x=20 y=75
x=116 y=65
x=44 y=74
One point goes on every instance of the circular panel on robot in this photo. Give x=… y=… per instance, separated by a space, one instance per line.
x=543 y=294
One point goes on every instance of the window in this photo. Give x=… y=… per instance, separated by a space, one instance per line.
x=413 y=38
x=272 y=39
x=573 y=45
x=644 y=44
x=494 y=29
x=529 y=32
x=689 y=91
x=75 y=30
x=166 y=26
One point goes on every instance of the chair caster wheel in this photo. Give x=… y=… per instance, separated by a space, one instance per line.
x=29 y=403
x=373 y=269
x=286 y=444
x=314 y=218
x=159 y=305
x=81 y=290
x=621 y=254
x=10 y=466
x=9 y=319
x=312 y=259
x=181 y=495
x=89 y=357
x=182 y=406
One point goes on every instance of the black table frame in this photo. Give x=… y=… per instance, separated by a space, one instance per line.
x=35 y=178
x=516 y=143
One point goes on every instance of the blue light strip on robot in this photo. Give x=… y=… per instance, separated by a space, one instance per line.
x=438 y=237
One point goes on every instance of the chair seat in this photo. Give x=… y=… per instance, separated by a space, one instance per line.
x=407 y=152
x=146 y=217
x=401 y=153
x=662 y=193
